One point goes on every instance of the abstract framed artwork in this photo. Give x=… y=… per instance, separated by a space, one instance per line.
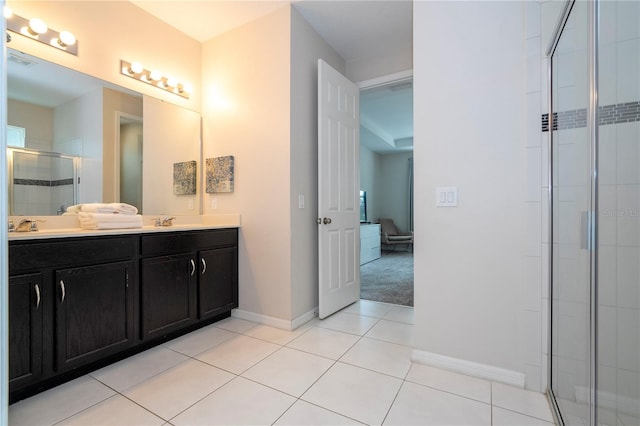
x=184 y=178
x=220 y=172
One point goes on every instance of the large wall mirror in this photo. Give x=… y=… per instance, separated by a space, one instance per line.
x=76 y=139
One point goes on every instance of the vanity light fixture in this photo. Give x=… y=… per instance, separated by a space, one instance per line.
x=37 y=29
x=155 y=78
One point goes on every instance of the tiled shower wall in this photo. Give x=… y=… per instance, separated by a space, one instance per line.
x=619 y=214
x=540 y=18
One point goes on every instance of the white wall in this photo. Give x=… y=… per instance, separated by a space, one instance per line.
x=306 y=47
x=469 y=95
x=393 y=195
x=37 y=121
x=247 y=114
x=174 y=137
x=370 y=164
x=82 y=137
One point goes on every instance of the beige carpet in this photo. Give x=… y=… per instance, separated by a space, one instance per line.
x=388 y=279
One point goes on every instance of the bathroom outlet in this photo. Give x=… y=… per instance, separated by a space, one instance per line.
x=214 y=203
x=190 y=207
x=300 y=201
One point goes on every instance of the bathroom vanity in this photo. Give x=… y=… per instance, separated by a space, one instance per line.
x=81 y=300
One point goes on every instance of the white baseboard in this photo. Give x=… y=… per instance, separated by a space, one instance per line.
x=469 y=368
x=275 y=322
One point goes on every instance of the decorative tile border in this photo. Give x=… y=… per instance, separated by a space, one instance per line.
x=608 y=114
x=39 y=182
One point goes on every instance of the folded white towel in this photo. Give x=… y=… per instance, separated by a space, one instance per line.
x=120 y=208
x=109 y=220
x=106 y=225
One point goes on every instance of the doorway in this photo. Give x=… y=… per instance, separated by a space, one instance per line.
x=128 y=173
x=386 y=183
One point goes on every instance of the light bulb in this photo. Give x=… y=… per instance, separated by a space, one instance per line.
x=155 y=75
x=187 y=88
x=66 y=39
x=8 y=13
x=171 y=82
x=136 y=68
x=37 y=26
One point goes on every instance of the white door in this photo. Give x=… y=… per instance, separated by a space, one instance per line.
x=338 y=190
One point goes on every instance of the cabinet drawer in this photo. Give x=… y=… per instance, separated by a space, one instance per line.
x=369 y=231
x=180 y=242
x=25 y=256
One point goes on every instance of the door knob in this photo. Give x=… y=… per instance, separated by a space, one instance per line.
x=326 y=220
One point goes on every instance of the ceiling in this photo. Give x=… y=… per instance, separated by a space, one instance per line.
x=356 y=29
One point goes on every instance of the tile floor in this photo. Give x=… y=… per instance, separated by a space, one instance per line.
x=352 y=368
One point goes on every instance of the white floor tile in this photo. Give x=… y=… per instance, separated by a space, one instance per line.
x=116 y=411
x=421 y=405
x=460 y=384
x=400 y=314
x=369 y=308
x=131 y=371
x=523 y=401
x=354 y=392
x=348 y=323
x=276 y=335
x=59 y=403
x=393 y=332
x=172 y=391
x=238 y=353
x=235 y=324
x=328 y=343
x=200 y=340
x=502 y=417
x=304 y=414
x=383 y=357
x=289 y=370
x=239 y=402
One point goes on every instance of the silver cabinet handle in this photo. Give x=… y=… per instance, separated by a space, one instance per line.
x=64 y=293
x=36 y=287
x=204 y=266
x=193 y=266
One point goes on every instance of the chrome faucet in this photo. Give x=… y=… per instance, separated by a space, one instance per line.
x=165 y=221
x=26 y=225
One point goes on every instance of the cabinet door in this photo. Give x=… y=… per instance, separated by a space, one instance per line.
x=218 y=281
x=94 y=312
x=25 y=329
x=168 y=294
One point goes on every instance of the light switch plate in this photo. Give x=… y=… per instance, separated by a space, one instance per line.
x=447 y=196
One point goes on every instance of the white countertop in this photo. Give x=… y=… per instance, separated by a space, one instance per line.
x=69 y=226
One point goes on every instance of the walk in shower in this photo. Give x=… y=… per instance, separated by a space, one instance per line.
x=594 y=122
x=41 y=183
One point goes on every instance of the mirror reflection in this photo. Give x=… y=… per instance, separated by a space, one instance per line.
x=55 y=112
x=102 y=130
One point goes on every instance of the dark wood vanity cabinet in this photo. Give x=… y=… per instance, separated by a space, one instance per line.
x=94 y=312
x=25 y=329
x=217 y=281
x=187 y=277
x=168 y=294
x=76 y=304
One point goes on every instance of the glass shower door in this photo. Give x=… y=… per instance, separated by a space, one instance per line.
x=618 y=329
x=572 y=220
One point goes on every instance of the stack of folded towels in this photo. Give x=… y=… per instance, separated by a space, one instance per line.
x=106 y=215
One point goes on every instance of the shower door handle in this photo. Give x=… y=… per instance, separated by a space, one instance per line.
x=587 y=230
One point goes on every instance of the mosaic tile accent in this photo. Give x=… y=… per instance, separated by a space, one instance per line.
x=608 y=114
x=39 y=182
x=220 y=172
x=184 y=178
